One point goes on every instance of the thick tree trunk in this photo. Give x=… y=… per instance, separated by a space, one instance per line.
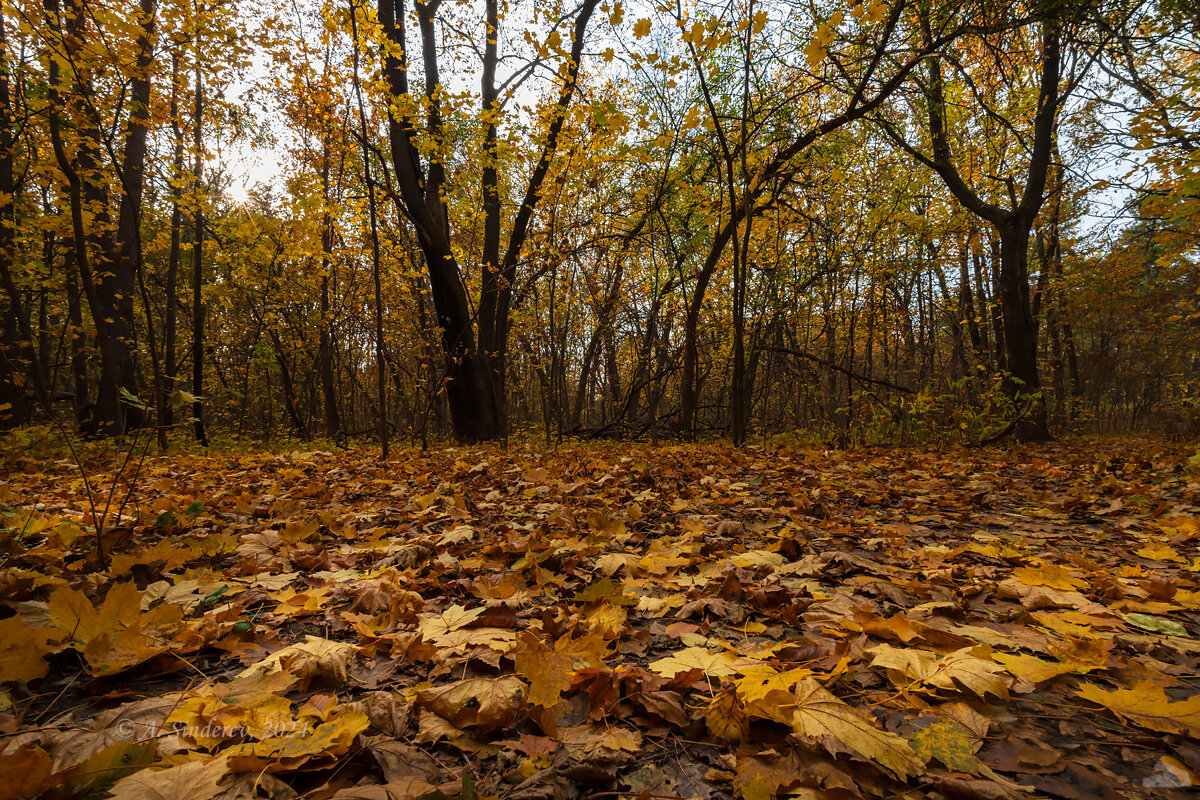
x=1020 y=331
x=129 y=215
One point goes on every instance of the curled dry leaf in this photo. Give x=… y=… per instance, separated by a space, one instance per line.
x=312 y=658
x=481 y=703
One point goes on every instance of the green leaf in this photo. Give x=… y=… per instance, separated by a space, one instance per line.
x=604 y=589
x=214 y=596
x=132 y=399
x=165 y=520
x=180 y=398
x=950 y=743
x=194 y=508
x=1155 y=624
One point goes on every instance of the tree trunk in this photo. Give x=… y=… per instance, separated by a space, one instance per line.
x=129 y=215
x=333 y=423
x=170 y=324
x=1020 y=331
x=380 y=361
x=198 y=266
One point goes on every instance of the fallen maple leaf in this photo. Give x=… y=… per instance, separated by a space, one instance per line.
x=194 y=780
x=308 y=659
x=1031 y=668
x=714 y=665
x=1148 y=706
x=603 y=742
x=952 y=745
x=72 y=613
x=453 y=618
x=22 y=650
x=548 y=672
x=27 y=772
x=958 y=669
x=840 y=728
x=483 y=703
x=1051 y=575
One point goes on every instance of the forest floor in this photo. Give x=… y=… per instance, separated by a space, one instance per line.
x=606 y=621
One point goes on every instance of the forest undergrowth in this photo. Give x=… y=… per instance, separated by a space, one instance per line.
x=691 y=621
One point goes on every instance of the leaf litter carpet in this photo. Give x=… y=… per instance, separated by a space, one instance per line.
x=604 y=621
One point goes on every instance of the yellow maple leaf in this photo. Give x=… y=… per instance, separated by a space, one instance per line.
x=641 y=28
x=198 y=779
x=1051 y=575
x=962 y=668
x=1159 y=552
x=759 y=681
x=714 y=665
x=308 y=659
x=549 y=673
x=301 y=604
x=463 y=639
x=760 y=22
x=840 y=728
x=72 y=613
x=22 y=649
x=725 y=718
x=453 y=618
x=952 y=745
x=1148 y=706
x=1031 y=668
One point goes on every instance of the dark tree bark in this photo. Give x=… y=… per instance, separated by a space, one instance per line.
x=198 y=266
x=333 y=422
x=18 y=355
x=127 y=264
x=84 y=189
x=170 y=321
x=1013 y=225
x=475 y=365
x=380 y=359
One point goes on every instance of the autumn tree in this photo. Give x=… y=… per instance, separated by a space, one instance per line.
x=475 y=343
